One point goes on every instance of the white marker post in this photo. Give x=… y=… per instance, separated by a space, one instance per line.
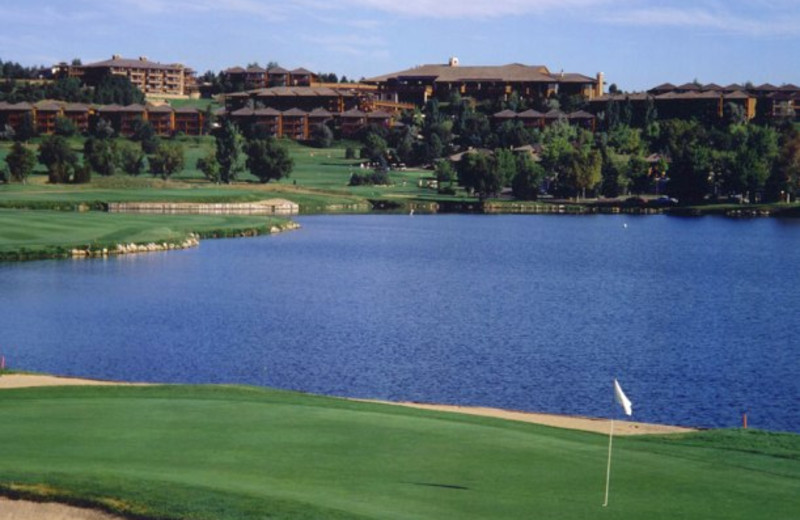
x=623 y=400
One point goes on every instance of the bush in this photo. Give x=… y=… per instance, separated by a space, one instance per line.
x=349 y=153
x=375 y=178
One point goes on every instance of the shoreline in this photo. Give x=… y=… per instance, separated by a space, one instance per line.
x=570 y=422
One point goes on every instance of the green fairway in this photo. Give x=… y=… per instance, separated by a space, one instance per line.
x=45 y=233
x=247 y=453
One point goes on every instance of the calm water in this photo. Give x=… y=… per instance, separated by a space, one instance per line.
x=698 y=318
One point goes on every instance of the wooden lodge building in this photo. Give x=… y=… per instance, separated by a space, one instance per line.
x=164 y=119
x=255 y=77
x=152 y=78
x=419 y=84
x=710 y=101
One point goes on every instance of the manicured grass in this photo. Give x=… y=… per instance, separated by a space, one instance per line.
x=247 y=453
x=51 y=233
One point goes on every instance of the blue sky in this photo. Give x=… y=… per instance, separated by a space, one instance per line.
x=636 y=43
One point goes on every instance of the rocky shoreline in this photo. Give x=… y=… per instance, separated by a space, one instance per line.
x=192 y=240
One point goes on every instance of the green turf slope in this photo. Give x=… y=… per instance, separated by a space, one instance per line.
x=246 y=453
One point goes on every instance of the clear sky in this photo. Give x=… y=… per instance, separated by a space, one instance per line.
x=636 y=43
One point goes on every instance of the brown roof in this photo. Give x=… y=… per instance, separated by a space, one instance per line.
x=160 y=109
x=301 y=72
x=688 y=86
x=580 y=114
x=505 y=114
x=737 y=94
x=352 y=113
x=734 y=86
x=141 y=63
x=300 y=92
x=554 y=114
x=572 y=77
x=255 y=69
x=243 y=112
x=664 y=87
x=711 y=86
x=132 y=108
x=295 y=112
x=235 y=70
x=320 y=112
x=48 y=106
x=766 y=87
x=790 y=88
x=277 y=70
x=530 y=114
x=76 y=107
x=271 y=112
x=514 y=72
x=379 y=114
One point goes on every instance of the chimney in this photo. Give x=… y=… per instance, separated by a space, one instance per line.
x=600 y=84
x=115 y=56
x=142 y=58
x=453 y=62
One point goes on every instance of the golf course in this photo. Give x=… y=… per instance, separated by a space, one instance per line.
x=234 y=452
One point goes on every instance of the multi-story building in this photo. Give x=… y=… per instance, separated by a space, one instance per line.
x=152 y=78
x=419 y=84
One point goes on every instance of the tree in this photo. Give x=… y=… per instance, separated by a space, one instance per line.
x=59 y=159
x=64 y=126
x=528 y=180
x=26 y=130
x=103 y=129
x=477 y=172
x=506 y=165
x=321 y=136
x=374 y=147
x=209 y=166
x=101 y=155
x=268 y=160
x=114 y=89
x=131 y=158
x=21 y=162
x=144 y=132
x=168 y=159
x=445 y=174
x=228 y=151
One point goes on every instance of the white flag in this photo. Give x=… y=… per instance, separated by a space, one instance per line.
x=622 y=399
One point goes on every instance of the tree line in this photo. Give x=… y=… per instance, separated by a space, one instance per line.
x=693 y=160
x=264 y=157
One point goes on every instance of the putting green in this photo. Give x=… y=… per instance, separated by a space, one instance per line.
x=246 y=453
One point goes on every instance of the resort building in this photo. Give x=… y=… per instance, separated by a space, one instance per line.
x=255 y=77
x=164 y=119
x=710 y=101
x=419 y=84
x=152 y=78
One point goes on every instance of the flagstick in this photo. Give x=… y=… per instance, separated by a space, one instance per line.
x=608 y=471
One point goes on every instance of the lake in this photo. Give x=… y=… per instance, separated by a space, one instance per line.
x=696 y=317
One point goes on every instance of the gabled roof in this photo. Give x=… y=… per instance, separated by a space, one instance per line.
x=277 y=70
x=711 y=86
x=319 y=112
x=301 y=72
x=76 y=107
x=379 y=114
x=766 y=87
x=554 y=114
x=353 y=113
x=266 y=112
x=513 y=72
x=255 y=69
x=736 y=94
x=235 y=70
x=243 y=112
x=141 y=63
x=48 y=106
x=688 y=86
x=132 y=108
x=580 y=114
x=505 y=114
x=530 y=114
x=160 y=109
x=664 y=87
x=789 y=88
x=295 y=112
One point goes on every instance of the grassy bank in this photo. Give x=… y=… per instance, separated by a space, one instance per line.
x=52 y=234
x=246 y=453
